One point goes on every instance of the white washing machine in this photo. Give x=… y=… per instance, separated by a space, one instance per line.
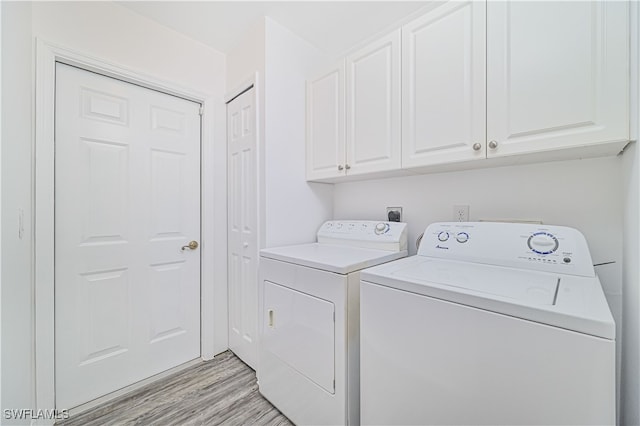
x=308 y=351
x=490 y=323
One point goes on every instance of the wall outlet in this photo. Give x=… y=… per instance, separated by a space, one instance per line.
x=394 y=214
x=461 y=213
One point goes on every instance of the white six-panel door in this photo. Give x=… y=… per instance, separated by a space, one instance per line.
x=443 y=85
x=242 y=227
x=127 y=198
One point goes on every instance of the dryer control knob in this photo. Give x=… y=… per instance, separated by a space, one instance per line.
x=443 y=236
x=381 y=228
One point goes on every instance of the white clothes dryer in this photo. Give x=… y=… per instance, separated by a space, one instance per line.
x=308 y=350
x=490 y=323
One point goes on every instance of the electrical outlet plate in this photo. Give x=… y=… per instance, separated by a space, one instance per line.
x=394 y=209
x=461 y=213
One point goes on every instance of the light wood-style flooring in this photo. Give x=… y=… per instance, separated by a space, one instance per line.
x=222 y=391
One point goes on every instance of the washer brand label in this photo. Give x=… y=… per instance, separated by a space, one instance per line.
x=442 y=248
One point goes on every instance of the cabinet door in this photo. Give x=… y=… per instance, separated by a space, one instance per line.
x=557 y=75
x=443 y=85
x=373 y=106
x=325 y=124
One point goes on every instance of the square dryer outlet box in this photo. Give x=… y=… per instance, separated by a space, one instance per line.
x=394 y=214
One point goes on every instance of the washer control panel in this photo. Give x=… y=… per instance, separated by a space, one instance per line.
x=538 y=247
x=365 y=234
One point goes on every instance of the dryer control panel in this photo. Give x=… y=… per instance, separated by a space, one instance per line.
x=538 y=247
x=365 y=233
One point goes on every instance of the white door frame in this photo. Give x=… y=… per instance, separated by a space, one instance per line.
x=47 y=54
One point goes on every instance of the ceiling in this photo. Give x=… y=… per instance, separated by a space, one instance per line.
x=331 y=26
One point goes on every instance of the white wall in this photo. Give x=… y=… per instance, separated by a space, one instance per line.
x=630 y=382
x=247 y=57
x=291 y=210
x=0 y=210
x=294 y=208
x=584 y=194
x=17 y=290
x=114 y=34
x=246 y=62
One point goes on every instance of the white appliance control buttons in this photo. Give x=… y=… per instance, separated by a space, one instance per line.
x=381 y=228
x=543 y=243
x=462 y=237
x=443 y=236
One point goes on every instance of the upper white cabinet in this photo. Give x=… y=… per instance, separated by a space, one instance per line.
x=557 y=75
x=443 y=85
x=373 y=107
x=325 y=124
x=510 y=81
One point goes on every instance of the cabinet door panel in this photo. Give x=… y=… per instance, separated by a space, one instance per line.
x=373 y=106
x=325 y=124
x=443 y=85
x=557 y=75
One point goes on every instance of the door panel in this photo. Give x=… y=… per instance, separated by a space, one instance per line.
x=104 y=330
x=102 y=195
x=127 y=298
x=242 y=229
x=166 y=319
x=167 y=173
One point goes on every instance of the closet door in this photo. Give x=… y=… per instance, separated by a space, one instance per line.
x=242 y=227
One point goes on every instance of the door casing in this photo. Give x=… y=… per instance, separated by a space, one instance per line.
x=47 y=54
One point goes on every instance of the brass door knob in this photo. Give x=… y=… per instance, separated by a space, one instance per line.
x=192 y=246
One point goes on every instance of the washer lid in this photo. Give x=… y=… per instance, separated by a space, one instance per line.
x=523 y=286
x=330 y=257
x=565 y=301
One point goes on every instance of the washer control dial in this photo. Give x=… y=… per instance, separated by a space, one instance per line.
x=381 y=228
x=462 y=237
x=543 y=243
x=443 y=236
